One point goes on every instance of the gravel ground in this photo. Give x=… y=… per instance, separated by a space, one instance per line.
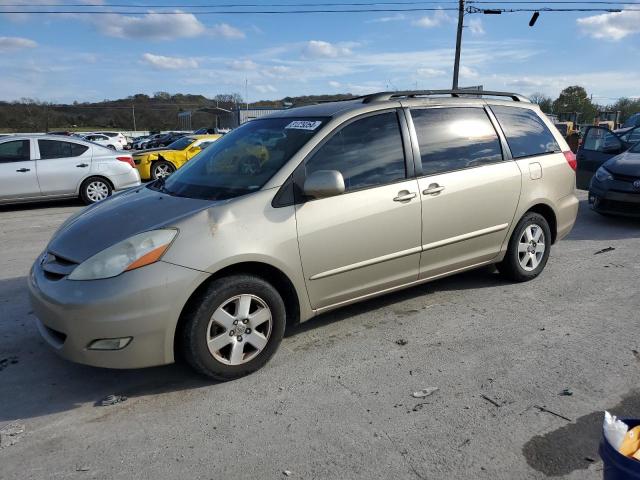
x=335 y=402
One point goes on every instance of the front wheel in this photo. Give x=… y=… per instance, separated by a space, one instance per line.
x=162 y=169
x=111 y=147
x=528 y=249
x=95 y=189
x=234 y=328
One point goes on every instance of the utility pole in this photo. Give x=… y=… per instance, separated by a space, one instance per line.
x=133 y=112
x=456 y=64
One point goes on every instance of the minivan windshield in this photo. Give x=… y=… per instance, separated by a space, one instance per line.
x=243 y=160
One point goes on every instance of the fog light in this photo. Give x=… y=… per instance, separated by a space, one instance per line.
x=110 y=343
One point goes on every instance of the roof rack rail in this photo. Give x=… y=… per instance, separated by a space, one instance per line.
x=378 y=97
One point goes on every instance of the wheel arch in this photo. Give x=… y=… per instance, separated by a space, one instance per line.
x=267 y=272
x=549 y=215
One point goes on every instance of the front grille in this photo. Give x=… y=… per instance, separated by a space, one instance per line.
x=56 y=267
x=622 y=207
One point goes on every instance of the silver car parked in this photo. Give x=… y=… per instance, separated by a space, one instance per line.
x=46 y=167
x=301 y=212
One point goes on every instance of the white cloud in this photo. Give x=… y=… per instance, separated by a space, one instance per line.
x=475 y=26
x=163 y=62
x=151 y=26
x=15 y=43
x=440 y=17
x=334 y=84
x=277 y=71
x=320 y=49
x=265 y=88
x=611 y=26
x=225 y=30
x=392 y=18
x=430 y=72
x=468 y=72
x=243 y=65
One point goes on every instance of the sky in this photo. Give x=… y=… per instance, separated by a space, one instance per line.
x=62 y=58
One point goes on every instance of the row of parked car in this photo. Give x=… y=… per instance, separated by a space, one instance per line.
x=88 y=166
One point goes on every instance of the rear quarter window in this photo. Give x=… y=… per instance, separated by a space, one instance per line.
x=526 y=133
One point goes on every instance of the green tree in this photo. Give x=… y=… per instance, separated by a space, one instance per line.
x=626 y=106
x=576 y=99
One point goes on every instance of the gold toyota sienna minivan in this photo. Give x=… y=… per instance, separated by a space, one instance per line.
x=300 y=212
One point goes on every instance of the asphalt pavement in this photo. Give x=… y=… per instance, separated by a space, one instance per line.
x=523 y=371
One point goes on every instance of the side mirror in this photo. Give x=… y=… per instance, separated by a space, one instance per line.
x=324 y=183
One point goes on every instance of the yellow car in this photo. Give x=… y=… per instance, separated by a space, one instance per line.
x=162 y=162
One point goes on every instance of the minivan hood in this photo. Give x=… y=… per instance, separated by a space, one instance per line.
x=626 y=163
x=118 y=218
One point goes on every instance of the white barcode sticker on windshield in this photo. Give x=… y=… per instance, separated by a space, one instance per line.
x=304 y=125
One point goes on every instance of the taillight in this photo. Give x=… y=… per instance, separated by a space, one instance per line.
x=571 y=159
x=128 y=160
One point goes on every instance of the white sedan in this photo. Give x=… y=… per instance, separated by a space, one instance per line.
x=47 y=167
x=103 y=140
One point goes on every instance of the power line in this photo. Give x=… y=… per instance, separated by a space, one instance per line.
x=329 y=4
x=295 y=12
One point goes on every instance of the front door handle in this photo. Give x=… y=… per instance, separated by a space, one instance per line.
x=404 y=196
x=82 y=165
x=22 y=170
x=433 y=189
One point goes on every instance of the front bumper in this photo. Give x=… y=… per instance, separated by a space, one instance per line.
x=144 y=304
x=614 y=202
x=143 y=167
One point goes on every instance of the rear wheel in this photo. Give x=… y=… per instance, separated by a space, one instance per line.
x=234 y=328
x=95 y=189
x=112 y=147
x=528 y=249
x=161 y=169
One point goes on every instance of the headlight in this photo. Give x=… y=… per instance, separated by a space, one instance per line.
x=603 y=175
x=135 y=252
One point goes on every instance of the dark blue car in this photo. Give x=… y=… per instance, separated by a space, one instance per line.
x=615 y=187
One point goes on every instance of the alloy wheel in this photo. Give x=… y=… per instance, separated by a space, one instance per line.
x=239 y=329
x=162 y=171
x=531 y=247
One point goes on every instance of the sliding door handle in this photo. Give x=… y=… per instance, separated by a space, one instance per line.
x=433 y=189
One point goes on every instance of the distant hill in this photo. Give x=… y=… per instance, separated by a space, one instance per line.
x=157 y=112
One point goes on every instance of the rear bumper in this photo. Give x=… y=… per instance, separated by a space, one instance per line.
x=144 y=170
x=126 y=180
x=144 y=304
x=567 y=212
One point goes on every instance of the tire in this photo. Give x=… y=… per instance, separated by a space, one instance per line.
x=161 y=169
x=522 y=265
x=111 y=147
x=208 y=323
x=95 y=189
